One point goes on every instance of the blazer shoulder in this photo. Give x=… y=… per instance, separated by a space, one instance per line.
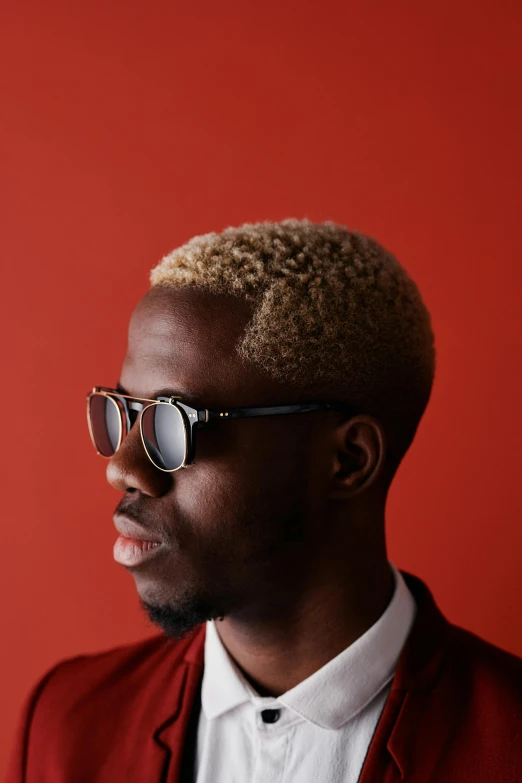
x=486 y=654
x=125 y=684
x=494 y=675
x=97 y=664
x=116 y=668
x=119 y=674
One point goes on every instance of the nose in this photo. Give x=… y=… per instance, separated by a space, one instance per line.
x=130 y=470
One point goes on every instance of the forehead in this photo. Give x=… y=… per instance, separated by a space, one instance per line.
x=183 y=340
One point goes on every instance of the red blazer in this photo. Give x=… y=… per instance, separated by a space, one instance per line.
x=454 y=713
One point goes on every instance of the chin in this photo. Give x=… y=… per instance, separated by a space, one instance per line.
x=160 y=589
x=176 y=617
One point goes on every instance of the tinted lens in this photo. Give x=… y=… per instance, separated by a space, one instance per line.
x=105 y=421
x=163 y=434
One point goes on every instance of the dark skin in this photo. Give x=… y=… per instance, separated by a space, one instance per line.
x=278 y=526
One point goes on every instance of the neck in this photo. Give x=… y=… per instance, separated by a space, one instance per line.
x=281 y=646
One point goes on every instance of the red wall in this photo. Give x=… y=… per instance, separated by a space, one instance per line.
x=129 y=127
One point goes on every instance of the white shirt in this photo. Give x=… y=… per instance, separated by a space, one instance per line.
x=325 y=723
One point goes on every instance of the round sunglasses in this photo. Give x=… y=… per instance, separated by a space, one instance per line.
x=167 y=424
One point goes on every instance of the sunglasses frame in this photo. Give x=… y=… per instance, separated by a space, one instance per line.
x=192 y=418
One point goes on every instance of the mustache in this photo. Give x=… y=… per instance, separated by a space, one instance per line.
x=139 y=513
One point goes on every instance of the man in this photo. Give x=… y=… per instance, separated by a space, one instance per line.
x=274 y=379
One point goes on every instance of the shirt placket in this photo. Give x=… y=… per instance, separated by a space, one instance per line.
x=274 y=726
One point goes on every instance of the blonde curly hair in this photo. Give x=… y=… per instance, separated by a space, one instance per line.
x=334 y=312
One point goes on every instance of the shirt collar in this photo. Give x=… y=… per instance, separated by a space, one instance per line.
x=338 y=690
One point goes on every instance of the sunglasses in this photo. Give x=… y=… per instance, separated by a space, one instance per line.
x=167 y=425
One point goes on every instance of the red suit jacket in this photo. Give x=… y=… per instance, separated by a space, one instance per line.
x=454 y=713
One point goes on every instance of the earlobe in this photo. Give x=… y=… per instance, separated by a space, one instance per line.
x=359 y=457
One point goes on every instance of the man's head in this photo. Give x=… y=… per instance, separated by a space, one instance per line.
x=264 y=314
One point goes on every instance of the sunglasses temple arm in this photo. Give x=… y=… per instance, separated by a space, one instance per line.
x=267 y=410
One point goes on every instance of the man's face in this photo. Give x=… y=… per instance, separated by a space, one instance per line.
x=242 y=525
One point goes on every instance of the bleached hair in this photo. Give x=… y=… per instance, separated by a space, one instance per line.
x=334 y=313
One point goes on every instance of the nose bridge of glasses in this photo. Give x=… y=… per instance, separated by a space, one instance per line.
x=133 y=412
x=132 y=407
x=129 y=411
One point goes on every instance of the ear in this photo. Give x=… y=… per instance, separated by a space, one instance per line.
x=359 y=458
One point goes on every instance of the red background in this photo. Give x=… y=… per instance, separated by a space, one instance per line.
x=129 y=127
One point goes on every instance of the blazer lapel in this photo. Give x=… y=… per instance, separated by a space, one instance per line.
x=414 y=723
x=176 y=714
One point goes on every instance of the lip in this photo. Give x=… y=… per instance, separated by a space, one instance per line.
x=134 y=545
x=128 y=528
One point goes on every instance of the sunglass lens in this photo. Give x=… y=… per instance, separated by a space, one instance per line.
x=105 y=421
x=163 y=433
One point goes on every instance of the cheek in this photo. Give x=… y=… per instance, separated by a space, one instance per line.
x=234 y=500
x=254 y=484
x=216 y=504
x=231 y=501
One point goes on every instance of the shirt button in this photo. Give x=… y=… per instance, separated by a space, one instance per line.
x=270 y=716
